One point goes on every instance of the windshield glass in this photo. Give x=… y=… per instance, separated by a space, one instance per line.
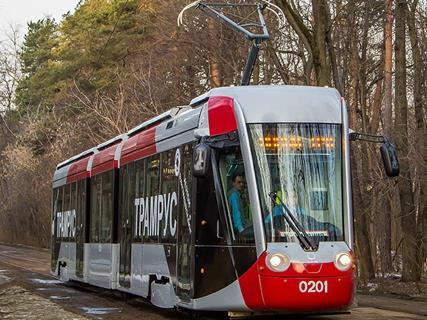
x=301 y=164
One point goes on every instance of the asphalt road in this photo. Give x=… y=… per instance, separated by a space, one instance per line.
x=27 y=291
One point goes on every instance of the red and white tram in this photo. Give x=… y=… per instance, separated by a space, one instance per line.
x=151 y=213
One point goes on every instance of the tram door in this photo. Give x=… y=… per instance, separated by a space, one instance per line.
x=80 y=225
x=185 y=227
x=127 y=181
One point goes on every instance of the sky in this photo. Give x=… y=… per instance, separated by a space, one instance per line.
x=19 y=12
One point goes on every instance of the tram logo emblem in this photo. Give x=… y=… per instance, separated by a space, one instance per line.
x=177 y=162
x=311 y=256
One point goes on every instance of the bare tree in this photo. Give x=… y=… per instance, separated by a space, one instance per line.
x=316 y=39
x=411 y=270
x=388 y=123
x=419 y=85
x=10 y=74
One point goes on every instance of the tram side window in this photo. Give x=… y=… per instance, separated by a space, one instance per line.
x=57 y=203
x=95 y=208
x=101 y=208
x=72 y=212
x=106 y=213
x=137 y=197
x=77 y=207
x=123 y=197
x=59 y=210
x=168 y=198
x=210 y=227
x=66 y=209
x=81 y=206
x=185 y=181
x=149 y=230
x=235 y=188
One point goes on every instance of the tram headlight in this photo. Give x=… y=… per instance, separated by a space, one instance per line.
x=278 y=262
x=343 y=261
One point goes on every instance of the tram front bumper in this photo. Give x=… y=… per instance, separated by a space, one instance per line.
x=308 y=294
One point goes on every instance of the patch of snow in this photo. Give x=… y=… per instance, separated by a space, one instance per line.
x=372 y=285
x=90 y=310
x=392 y=275
x=58 y=298
x=44 y=281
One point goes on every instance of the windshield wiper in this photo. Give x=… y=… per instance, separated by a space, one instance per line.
x=295 y=225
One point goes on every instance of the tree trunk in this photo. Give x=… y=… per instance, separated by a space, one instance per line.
x=320 y=58
x=215 y=75
x=420 y=133
x=361 y=222
x=316 y=40
x=411 y=270
x=388 y=56
x=388 y=96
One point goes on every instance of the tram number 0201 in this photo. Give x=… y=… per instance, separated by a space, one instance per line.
x=313 y=286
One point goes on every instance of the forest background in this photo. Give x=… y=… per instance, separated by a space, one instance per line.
x=111 y=64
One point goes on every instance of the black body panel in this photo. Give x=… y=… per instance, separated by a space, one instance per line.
x=214 y=270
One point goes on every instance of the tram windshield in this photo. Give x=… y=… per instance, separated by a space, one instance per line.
x=301 y=164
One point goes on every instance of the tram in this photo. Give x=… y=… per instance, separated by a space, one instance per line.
x=240 y=201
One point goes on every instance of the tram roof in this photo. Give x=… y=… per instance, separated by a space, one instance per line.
x=277 y=103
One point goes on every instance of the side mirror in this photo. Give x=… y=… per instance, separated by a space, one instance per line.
x=201 y=160
x=390 y=160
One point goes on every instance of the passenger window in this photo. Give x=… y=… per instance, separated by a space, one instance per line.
x=106 y=207
x=131 y=184
x=168 y=197
x=209 y=226
x=123 y=197
x=239 y=213
x=56 y=208
x=153 y=189
x=101 y=208
x=59 y=210
x=81 y=211
x=66 y=211
x=136 y=213
x=72 y=212
x=95 y=208
x=185 y=188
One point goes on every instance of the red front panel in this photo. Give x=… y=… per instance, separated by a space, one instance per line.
x=307 y=287
x=307 y=294
x=221 y=115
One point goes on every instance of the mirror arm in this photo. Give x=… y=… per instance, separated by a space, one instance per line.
x=359 y=136
x=388 y=151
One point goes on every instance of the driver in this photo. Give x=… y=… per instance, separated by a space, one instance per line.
x=236 y=204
